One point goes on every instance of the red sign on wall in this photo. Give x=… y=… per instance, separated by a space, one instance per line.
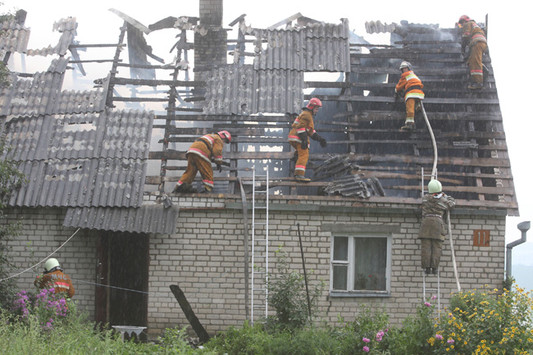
x=481 y=238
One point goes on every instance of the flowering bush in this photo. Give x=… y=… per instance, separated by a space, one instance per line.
x=46 y=306
x=486 y=322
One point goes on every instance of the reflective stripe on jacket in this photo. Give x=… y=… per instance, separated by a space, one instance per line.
x=411 y=84
x=473 y=33
x=208 y=147
x=57 y=280
x=302 y=123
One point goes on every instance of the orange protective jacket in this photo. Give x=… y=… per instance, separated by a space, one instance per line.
x=208 y=147
x=472 y=33
x=302 y=123
x=411 y=84
x=57 y=280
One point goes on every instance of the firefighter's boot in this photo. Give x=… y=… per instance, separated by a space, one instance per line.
x=183 y=189
x=408 y=126
x=301 y=178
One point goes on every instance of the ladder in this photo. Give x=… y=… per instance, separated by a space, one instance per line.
x=426 y=289
x=259 y=274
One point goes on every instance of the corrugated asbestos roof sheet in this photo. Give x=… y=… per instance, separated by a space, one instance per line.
x=81 y=160
x=242 y=90
x=67 y=28
x=145 y=219
x=42 y=95
x=14 y=37
x=106 y=135
x=315 y=47
x=81 y=182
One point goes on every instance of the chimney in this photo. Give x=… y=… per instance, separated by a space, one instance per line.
x=210 y=47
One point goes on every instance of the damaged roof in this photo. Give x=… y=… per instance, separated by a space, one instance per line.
x=90 y=156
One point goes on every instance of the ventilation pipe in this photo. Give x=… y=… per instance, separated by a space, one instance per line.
x=524 y=227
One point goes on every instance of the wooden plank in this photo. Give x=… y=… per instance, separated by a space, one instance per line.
x=150 y=82
x=189 y=313
x=360 y=159
x=390 y=99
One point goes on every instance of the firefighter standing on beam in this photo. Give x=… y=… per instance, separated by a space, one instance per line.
x=473 y=45
x=201 y=153
x=410 y=87
x=302 y=129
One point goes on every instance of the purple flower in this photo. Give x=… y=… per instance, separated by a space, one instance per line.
x=427 y=304
x=366 y=349
x=379 y=335
x=438 y=336
x=450 y=341
x=366 y=340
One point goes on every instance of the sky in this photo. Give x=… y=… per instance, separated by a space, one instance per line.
x=507 y=39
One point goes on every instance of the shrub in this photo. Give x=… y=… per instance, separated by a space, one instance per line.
x=486 y=322
x=288 y=296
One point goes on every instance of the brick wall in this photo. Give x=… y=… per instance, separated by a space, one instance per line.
x=205 y=257
x=42 y=232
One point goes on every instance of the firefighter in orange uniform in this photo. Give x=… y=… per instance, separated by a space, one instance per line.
x=302 y=129
x=201 y=153
x=54 y=277
x=410 y=87
x=473 y=38
x=432 y=229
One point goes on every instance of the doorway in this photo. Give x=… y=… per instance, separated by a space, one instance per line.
x=122 y=279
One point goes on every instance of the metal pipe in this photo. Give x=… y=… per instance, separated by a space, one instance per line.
x=305 y=273
x=524 y=227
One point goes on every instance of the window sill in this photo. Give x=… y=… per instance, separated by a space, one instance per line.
x=357 y=294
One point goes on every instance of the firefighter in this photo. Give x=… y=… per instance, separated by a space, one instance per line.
x=473 y=45
x=200 y=154
x=432 y=229
x=302 y=129
x=410 y=87
x=54 y=277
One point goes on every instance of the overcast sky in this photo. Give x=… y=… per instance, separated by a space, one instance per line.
x=509 y=46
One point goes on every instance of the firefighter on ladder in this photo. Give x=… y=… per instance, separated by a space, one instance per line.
x=302 y=129
x=473 y=45
x=200 y=154
x=410 y=87
x=432 y=229
x=54 y=277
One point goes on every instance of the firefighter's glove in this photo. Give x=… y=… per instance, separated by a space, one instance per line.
x=321 y=140
x=305 y=141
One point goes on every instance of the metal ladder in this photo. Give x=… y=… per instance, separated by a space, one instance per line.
x=425 y=289
x=259 y=274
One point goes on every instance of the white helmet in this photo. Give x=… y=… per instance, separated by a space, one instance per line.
x=405 y=64
x=51 y=264
x=434 y=186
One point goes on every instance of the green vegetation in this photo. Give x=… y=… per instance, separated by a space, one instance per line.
x=478 y=322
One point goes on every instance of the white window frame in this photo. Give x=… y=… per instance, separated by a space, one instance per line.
x=351 y=261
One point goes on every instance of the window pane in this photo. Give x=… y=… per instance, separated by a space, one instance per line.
x=370 y=263
x=340 y=248
x=340 y=274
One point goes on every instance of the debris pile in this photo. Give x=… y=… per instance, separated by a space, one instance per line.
x=355 y=185
x=338 y=165
x=346 y=183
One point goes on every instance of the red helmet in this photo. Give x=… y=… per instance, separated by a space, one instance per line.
x=225 y=134
x=314 y=102
x=464 y=18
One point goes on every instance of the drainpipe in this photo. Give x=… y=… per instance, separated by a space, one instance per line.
x=524 y=227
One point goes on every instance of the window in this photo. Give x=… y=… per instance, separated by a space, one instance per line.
x=360 y=265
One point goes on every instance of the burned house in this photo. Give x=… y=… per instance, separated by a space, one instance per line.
x=101 y=165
